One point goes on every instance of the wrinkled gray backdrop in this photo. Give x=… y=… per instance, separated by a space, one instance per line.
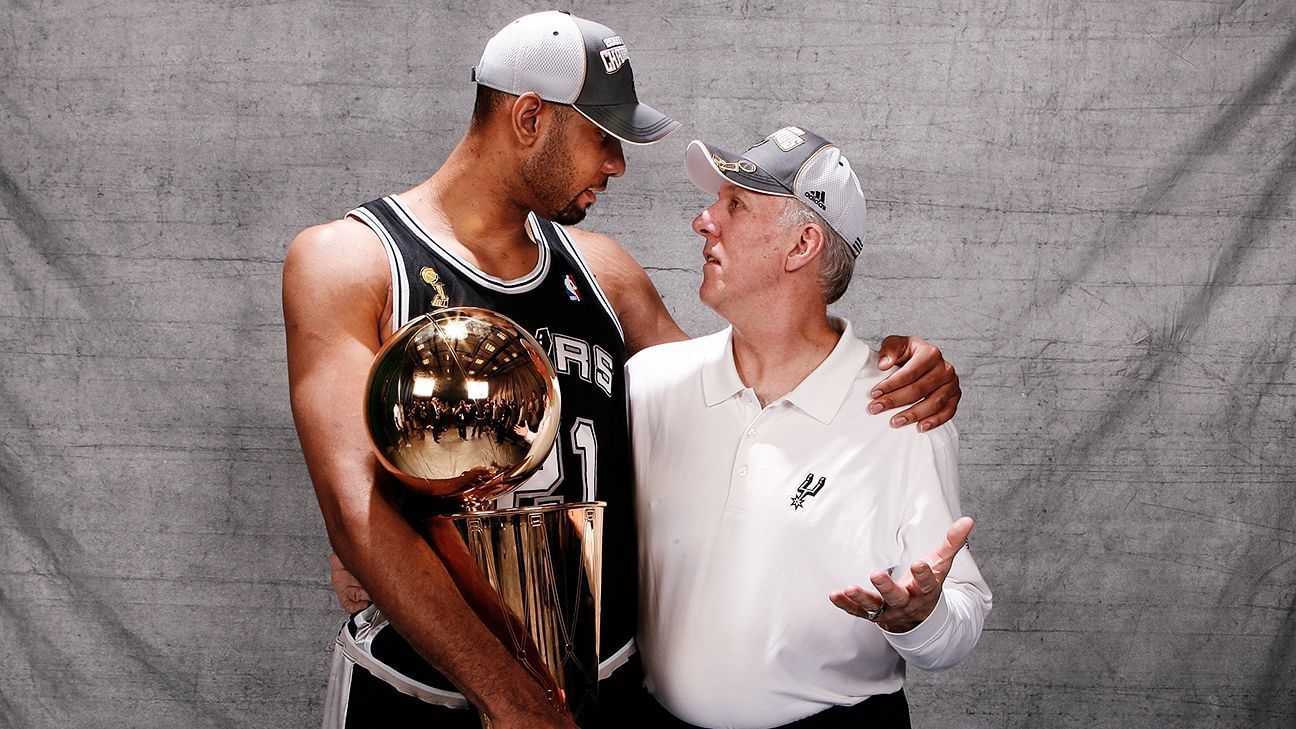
x=1088 y=205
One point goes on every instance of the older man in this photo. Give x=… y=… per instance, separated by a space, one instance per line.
x=764 y=490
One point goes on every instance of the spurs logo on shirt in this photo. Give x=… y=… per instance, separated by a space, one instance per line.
x=806 y=490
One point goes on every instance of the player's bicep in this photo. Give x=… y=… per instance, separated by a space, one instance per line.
x=634 y=298
x=332 y=307
x=644 y=316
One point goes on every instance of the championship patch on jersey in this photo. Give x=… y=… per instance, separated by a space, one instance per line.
x=433 y=279
x=569 y=283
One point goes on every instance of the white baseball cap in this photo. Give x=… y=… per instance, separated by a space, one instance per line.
x=789 y=163
x=569 y=60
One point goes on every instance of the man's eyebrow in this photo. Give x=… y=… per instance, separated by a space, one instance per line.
x=731 y=190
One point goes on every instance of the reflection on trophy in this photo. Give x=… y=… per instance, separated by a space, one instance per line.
x=463 y=405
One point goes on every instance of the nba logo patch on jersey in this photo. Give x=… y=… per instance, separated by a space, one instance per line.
x=569 y=283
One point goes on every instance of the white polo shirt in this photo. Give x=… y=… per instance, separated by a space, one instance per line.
x=748 y=518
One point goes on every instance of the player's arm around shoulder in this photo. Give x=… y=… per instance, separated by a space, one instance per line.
x=635 y=300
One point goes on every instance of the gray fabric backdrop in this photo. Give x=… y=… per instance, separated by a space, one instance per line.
x=1088 y=205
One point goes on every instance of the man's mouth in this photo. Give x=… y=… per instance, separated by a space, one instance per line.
x=592 y=192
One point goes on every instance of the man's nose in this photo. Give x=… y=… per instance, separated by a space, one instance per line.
x=615 y=165
x=704 y=224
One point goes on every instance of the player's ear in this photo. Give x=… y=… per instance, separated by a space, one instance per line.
x=806 y=248
x=525 y=117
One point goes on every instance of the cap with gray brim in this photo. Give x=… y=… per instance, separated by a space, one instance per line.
x=794 y=163
x=569 y=60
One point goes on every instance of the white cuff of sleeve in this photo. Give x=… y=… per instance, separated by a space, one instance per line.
x=922 y=634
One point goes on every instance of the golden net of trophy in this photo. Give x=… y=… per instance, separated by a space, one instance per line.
x=463 y=405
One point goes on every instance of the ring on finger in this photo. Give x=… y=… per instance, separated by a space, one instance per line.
x=873 y=615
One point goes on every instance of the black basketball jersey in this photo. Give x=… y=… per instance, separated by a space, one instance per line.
x=560 y=304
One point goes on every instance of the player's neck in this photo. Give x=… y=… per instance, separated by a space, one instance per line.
x=469 y=197
x=774 y=350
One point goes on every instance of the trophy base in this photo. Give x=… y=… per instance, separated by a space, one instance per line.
x=534 y=576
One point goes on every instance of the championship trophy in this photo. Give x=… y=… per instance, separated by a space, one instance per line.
x=463 y=405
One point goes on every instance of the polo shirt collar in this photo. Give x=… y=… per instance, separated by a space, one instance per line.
x=820 y=395
x=720 y=380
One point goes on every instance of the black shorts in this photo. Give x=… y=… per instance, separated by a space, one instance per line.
x=357 y=698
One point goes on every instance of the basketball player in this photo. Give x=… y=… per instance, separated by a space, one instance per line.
x=555 y=100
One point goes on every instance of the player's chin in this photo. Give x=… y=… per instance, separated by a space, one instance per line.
x=572 y=214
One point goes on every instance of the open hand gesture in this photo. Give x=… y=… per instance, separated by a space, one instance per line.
x=900 y=605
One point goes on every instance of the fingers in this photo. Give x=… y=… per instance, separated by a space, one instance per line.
x=931 y=396
x=955 y=537
x=894 y=595
x=925 y=581
x=349 y=592
x=896 y=396
x=932 y=411
x=354 y=599
x=916 y=357
x=894 y=351
x=856 y=600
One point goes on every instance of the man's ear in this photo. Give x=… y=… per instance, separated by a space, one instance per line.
x=807 y=248
x=525 y=118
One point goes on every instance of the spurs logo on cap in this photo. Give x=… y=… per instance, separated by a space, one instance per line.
x=615 y=55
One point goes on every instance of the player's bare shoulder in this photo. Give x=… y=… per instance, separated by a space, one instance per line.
x=340 y=258
x=341 y=251
x=611 y=264
x=632 y=294
x=336 y=270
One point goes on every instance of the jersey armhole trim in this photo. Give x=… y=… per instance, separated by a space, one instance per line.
x=395 y=261
x=566 y=241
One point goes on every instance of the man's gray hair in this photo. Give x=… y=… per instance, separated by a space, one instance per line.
x=836 y=264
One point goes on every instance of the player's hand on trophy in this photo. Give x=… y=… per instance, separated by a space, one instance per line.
x=900 y=605
x=349 y=591
x=925 y=381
